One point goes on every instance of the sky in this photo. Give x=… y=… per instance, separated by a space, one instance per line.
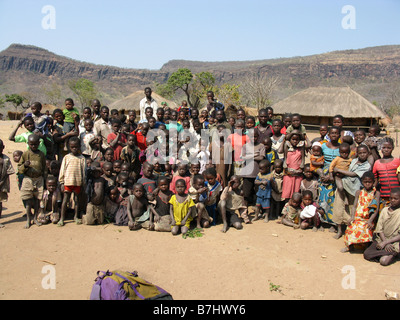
x=148 y=34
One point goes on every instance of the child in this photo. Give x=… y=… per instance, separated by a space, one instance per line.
x=71 y=116
x=41 y=120
x=203 y=156
x=311 y=213
x=343 y=163
x=6 y=169
x=97 y=152
x=221 y=154
x=231 y=200
x=182 y=209
x=291 y=212
x=277 y=202
x=263 y=182
x=33 y=166
x=50 y=204
x=116 y=139
x=361 y=224
x=60 y=136
x=86 y=136
x=160 y=219
x=287 y=121
x=296 y=125
x=72 y=179
x=148 y=180
x=214 y=191
x=310 y=182
x=385 y=247
x=323 y=130
x=17 y=154
x=385 y=169
x=317 y=159
x=112 y=204
x=96 y=193
x=198 y=192
x=277 y=137
x=130 y=154
x=108 y=173
x=374 y=142
x=294 y=163
x=270 y=154
x=137 y=207
x=182 y=173
x=87 y=114
x=131 y=120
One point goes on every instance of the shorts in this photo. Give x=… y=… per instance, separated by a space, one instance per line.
x=73 y=189
x=32 y=188
x=264 y=203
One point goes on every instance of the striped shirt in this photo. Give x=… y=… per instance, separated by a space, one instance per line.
x=386 y=173
x=72 y=171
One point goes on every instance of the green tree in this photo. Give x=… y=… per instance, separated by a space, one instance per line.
x=85 y=91
x=16 y=100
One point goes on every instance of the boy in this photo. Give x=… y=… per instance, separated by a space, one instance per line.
x=6 y=169
x=148 y=180
x=71 y=116
x=263 y=181
x=214 y=193
x=86 y=137
x=198 y=193
x=17 y=154
x=116 y=139
x=386 y=245
x=96 y=193
x=61 y=137
x=291 y=212
x=108 y=170
x=341 y=162
x=40 y=119
x=50 y=203
x=137 y=207
x=72 y=179
x=33 y=166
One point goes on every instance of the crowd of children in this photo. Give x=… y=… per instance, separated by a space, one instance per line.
x=178 y=169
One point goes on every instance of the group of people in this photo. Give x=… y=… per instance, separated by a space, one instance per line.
x=176 y=169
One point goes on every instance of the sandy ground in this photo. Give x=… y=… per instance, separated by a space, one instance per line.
x=264 y=261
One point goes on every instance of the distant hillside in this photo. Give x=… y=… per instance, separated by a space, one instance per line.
x=370 y=71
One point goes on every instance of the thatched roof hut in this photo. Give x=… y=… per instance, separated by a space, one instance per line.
x=318 y=105
x=132 y=102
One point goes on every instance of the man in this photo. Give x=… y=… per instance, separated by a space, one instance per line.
x=103 y=126
x=147 y=101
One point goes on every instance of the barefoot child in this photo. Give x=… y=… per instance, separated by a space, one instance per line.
x=232 y=200
x=72 y=179
x=311 y=212
x=6 y=169
x=214 y=193
x=198 y=191
x=50 y=203
x=263 y=182
x=160 y=219
x=137 y=207
x=182 y=209
x=33 y=166
x=310 y=182
x=277 y=202
x=291 y=212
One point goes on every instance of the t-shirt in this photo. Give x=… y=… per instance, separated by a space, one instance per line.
x=68 y=115
x=23 y=137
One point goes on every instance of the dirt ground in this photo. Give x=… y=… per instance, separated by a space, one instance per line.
x=264 y=261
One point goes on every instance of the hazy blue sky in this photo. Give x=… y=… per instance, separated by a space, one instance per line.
x=147 y=34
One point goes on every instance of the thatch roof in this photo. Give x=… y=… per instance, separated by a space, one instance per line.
x=328 y=102
x=132 y=101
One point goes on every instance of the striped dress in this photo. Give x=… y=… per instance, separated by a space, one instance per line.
x=386 y=173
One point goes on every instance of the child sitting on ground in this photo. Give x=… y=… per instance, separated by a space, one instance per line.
x=137 y=207
x=160 y=219
x=198 y=192
x=182 y=209
x=311 y=213
x=50 y=205
x=232 y=200
x=291 y=212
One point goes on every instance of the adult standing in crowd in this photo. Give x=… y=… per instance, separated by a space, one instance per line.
x=147 y=101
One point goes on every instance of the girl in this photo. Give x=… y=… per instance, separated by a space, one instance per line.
x=263 y=182
x=311 y=213
x=182 y=209
x=310 y=182
x=116 y=139
x=338 y=122
x=277 y=137
x=160 y=219
x=214 y=192
x=365 y=211
x=385 y=169
x=287 y=121
x=293 y=164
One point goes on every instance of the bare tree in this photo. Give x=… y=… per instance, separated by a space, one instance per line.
x=256 y=90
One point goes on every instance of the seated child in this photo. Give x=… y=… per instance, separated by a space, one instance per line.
x=317 y=159
x=160 y=219
x=263 y=182
x=311 y=212
x=291 y=211
x=182 y=209
x=112 y=204
x=137 y=207
x=50 y=205
x=214 y=192
x=148 y=180
x=96 y=193
x=385 y=246
x=198 y=192
x=232 y=200
x=341 y=162
x=108 y=173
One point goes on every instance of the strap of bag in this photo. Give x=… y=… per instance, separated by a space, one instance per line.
x=133 y=285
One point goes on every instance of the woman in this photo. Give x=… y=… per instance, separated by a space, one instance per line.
x=327 y=187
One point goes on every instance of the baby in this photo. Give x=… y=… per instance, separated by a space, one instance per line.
x=317 y=159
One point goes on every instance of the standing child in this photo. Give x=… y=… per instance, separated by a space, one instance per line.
x=296 y=125
x=231 y=201
x=148 y=180
x=374 y=142
x=214 y=192
x=182 y=209
x=60 y=136
x=71 y=116
x=385 y=169
x=294 y=163
x=116 y=139
x=263 y=182
x=87 y=114
x=310 y=182
x=6 y=169
x=361 y=224
x=277 y=202
x=86 y=136
x=386 y=245
x=277 y=137
x=33 y=166
x=72 y=179
x=130 y=154
x=270 y=154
